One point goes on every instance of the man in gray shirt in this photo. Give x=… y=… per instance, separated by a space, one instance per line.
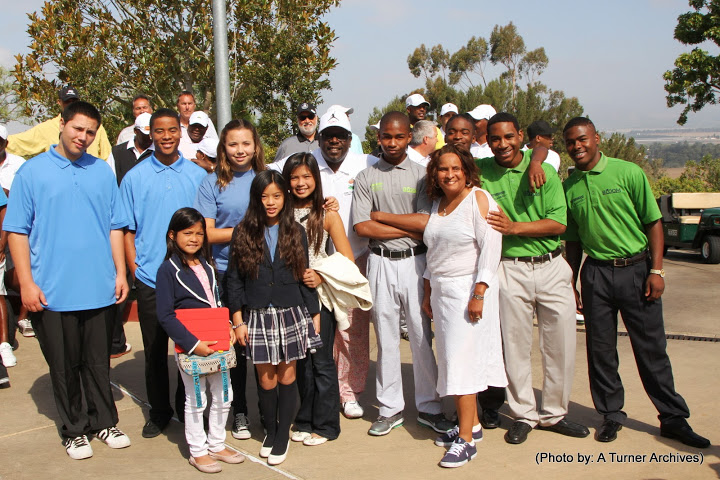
x=390 y=207
x=306 y=138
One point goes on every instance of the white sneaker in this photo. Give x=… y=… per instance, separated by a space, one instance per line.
x=78 y=448
x=300 y=436
x=113 y=437
x=352 y=410
x=25 y=327
x=8 y=357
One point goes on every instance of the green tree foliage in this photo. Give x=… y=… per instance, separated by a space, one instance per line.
x=279 y=53
x=695 y=80
x=9 y=108
x=618 y=145
x=507 y=47
x=679 y=153
x=702 y=176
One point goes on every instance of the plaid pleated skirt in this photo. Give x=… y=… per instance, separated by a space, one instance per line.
x=280 y=334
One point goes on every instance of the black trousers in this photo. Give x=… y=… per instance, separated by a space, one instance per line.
x=607 y=290
x=155 y=343
x=118 y=331
x=75 y=346
x=318 y=385
x=492 y=398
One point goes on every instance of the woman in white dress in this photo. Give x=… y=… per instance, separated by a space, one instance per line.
x=461 y=294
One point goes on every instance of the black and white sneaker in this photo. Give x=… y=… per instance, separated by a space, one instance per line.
x=113 y=437
x=460 y=453
x=240 y=427
x=449 y=437
x=78 y=448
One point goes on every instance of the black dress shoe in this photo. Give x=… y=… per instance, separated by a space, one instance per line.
x=490 y=418
x=152 y=429
x=685 y=435
x=518 y=432
x=568 y=428
x=608 y=431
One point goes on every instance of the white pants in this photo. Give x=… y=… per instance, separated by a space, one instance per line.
x=397 y=286
x=198 y=441
x=545 y=288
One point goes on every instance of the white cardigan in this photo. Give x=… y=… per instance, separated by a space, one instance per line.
x=343 y=287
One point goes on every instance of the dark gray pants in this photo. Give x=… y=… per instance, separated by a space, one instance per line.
x=607 y=290
x=76 y=347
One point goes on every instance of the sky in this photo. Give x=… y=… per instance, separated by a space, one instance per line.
x=611 y=54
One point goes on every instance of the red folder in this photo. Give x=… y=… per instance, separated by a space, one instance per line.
x=209 y=324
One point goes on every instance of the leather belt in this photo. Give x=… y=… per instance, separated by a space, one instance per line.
x=537 y=259
x=624 y=262
x=399 y=254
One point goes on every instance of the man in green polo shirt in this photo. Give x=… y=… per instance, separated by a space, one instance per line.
x=613 y=216
x=534 y=277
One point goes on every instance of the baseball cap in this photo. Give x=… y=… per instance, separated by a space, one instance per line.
x=448 y=107
x=209 y=146
x=540 y=127
x=199 y=117
x=340 y=108
x=375 y=127
x=415 y=100
x=306 y=107
x=482 y=112
x=3 y=132
x=142 y=123
x=334 y=119
x=67 y=92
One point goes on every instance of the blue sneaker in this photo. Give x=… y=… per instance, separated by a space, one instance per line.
x=460 y=453
x=449 y=437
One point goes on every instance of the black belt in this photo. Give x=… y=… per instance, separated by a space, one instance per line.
x=399 y=254
x=538 y=259
x=623 y=262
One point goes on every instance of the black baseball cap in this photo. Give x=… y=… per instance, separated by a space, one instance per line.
x=306 y=107
x=540 y=127
x=68 y=92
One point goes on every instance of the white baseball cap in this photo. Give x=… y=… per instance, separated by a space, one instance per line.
x=142 y=123
x=448 y=107
x=334 y=118
x=482 y=112
x=415 y=100
x=199 y=117
x=340 y=108
x=3 y=132
x=376 y=126
x=209 y=146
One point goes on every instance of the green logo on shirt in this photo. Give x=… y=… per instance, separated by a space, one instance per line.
x=528 y=193
x=609 y=191
x=498 y=195
x=376 y=187
x=577 y=200
x=409 y=190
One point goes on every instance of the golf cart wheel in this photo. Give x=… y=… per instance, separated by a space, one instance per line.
x=710 y=249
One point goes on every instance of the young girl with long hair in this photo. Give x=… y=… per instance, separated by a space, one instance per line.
x=186 y=279
x=318 y=419
x=270 y=305
x=222 y=199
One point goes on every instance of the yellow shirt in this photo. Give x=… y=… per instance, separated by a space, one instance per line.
x=38 y=139
x=441 y=139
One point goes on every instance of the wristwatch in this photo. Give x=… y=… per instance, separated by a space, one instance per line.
x=658 y=272
x=478 y=297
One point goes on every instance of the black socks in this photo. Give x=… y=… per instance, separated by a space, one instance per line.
x=287 y=403
x=268 y=400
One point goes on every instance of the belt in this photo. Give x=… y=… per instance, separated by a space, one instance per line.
x=538 y=259
x=399 y=254
x=623 y=262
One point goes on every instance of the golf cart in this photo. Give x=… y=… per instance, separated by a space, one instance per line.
x=692 y=220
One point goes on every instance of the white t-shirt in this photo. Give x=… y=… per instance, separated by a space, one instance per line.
x=552 y=158
x=9 y=168
x=340 y=185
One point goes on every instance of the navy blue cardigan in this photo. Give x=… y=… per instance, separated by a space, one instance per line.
x=177 y=287
x=275 y=285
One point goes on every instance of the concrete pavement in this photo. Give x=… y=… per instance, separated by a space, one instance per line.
x=31 y=445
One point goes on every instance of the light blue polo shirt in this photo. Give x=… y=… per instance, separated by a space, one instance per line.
x=151 y=192
x=68 y=209
x=227 y=207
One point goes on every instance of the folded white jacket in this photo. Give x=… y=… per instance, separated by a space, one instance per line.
x=343 y=287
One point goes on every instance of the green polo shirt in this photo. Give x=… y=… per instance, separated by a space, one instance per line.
x=608 y=208
x=510 y=188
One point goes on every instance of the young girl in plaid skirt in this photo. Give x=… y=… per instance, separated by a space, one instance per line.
x=271 y=308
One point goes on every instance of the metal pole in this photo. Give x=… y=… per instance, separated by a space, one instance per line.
x=222 y=72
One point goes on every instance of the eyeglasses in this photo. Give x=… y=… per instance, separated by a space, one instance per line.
x=306 y=116
x=342 y=136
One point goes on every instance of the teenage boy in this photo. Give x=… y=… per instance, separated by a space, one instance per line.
x=65 y=222
x=390 y=207
x=613 y=216
x=151 y=192
x=534 y=279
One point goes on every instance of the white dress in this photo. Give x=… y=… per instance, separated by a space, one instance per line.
x=463 y=250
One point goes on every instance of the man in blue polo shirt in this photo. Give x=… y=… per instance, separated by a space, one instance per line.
x=151 y=192
x=65 y=224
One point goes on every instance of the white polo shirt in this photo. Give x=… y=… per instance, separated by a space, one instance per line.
x=417 y=157
x=340 y=185
x=9 y=168
x=552 y=158
x=480 y=151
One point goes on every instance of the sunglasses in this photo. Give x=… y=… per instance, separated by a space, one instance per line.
x=338 y=135
x=306 y=116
